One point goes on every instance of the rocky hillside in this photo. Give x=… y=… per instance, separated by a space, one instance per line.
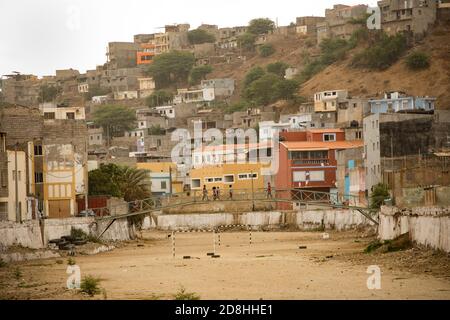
x=434 y=81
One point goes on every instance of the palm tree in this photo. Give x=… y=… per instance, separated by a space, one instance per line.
x=379 y=194
x=135 y=184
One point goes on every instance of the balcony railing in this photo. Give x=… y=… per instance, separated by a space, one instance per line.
x=297 y=162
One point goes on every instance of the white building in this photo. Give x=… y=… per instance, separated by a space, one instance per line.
x=198 y=95
x=268 y=129
x=290 y=73
x=83 y=88
x=126 y=95
x=146 y=87
x=166 y=111
x=99 y=99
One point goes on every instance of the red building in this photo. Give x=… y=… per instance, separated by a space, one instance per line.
x=307 y=159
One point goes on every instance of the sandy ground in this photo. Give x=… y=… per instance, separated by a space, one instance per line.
x=273 y=267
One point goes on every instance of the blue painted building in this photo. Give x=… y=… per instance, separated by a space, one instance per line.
x=399 y=102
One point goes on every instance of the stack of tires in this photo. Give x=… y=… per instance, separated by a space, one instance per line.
x=68 y=242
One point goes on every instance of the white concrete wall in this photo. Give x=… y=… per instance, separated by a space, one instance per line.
x=429 y=226
x=28 y=234
x=311 y=219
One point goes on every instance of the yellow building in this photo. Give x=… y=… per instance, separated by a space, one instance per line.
x=236 y=175
x=160 y=175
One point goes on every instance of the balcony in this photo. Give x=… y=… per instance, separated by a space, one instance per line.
x=303 y=162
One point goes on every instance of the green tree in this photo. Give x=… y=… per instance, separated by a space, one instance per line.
x=418 y=60
x=199 y=36
x=266 y=50
x=199 y=73
x=261 y=91
x=278 y=68
x=135 y=184
x=155 y=130
x=384 y=52
x=117 y=181
x=246 y=41
x=48 y=93
x=379 y=195
x=254 y=74
x=171 y=67
x=261 y=26
x=159 y=98
x=103 y=181
x=114 y=119
x=286 y=89
x=95 y=90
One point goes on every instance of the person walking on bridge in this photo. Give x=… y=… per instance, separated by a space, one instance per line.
x=231 y=192
x=269 y=191
x=205 y=193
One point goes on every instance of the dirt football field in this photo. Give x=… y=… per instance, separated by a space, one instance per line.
x=276 y=265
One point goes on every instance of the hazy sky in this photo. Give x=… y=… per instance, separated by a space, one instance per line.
x=40 y=36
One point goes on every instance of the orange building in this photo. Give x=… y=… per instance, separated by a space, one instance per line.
x=146 y=54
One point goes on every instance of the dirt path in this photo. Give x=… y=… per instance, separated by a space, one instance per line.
x=273 y=267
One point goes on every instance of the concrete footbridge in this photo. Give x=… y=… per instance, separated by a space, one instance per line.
x=281 y=198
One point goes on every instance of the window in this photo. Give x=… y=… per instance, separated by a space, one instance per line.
x=38 y=150
x=49 y=115
x=2 y=142
x=3 y=211
x=163 y=184
x=299 y=176
x=4 y=179
x=38 y=177
x=229 y=178
x=209 y=180
x=317 y=175
x=196 y=183
x=329 y=137
x=217 y=179
x=243 y=176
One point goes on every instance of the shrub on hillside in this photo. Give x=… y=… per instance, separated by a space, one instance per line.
x=382 y=54
x=266 y=50
x=418 y=60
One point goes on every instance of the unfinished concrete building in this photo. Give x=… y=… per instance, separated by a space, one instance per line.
x=122 y=54
x=307 y=26
x=413 y=17
x=22 y=89
x=340 y=21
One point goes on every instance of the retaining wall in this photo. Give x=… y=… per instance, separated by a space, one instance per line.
x=428 y=226
x=305 y=220
x=28 y=234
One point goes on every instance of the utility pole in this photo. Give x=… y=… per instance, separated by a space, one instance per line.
x=86 y=184
x=170 y=180
x=18 y=217
x=253 y=192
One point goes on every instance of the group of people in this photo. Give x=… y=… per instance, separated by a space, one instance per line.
x=216 y=192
